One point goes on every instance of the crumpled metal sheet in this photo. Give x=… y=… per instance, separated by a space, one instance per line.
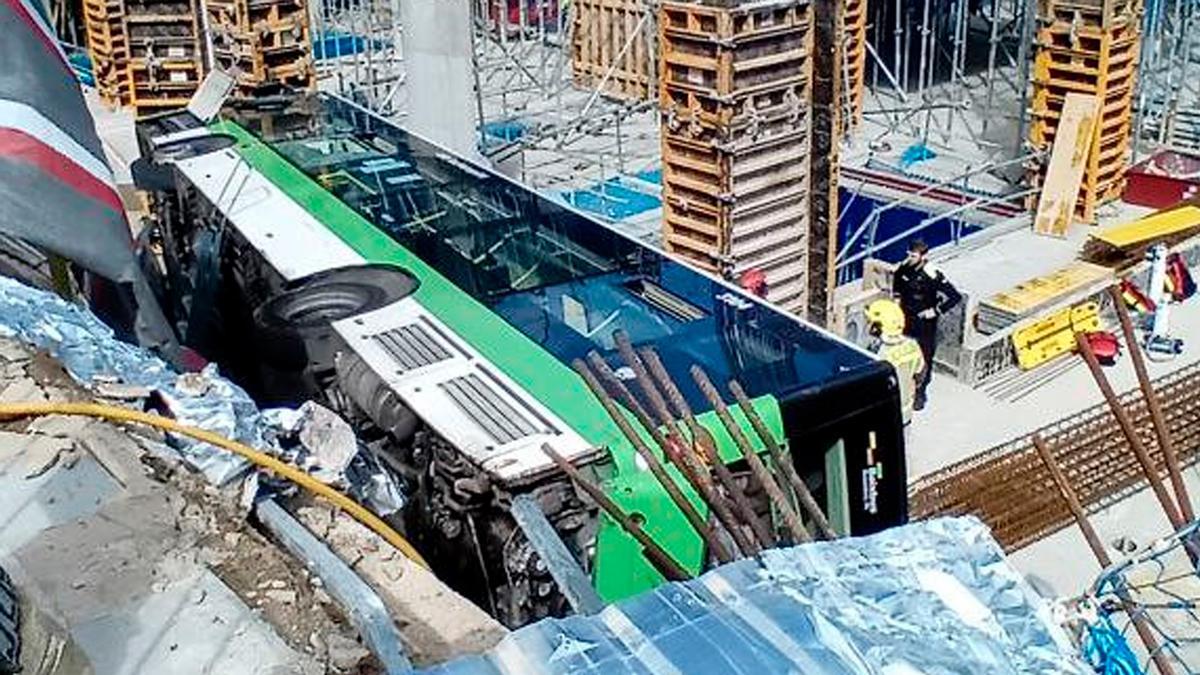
x=930 y=598
x=89 y=351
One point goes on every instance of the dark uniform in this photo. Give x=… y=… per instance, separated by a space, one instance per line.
x=919 y=290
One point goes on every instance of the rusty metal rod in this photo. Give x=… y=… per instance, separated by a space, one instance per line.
x=645 y=382
x=1155 y=405
x=1126 y=424
x=673 y=446
x=700 y=439
x=807 y=501
x=792 y=519
x=1093 y=541
x=658 y=557
x=698 y=522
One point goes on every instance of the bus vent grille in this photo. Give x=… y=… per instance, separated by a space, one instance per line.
x=411 y=347
x=480 y=401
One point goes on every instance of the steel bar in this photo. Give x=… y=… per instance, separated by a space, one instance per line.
x=361 y=604
x=1095 y=453
x=572 y=581
x=701 y=439
x=658 y=557
x=676 y=448
x=1102 y=557
x=1155 y=406
x=677 y=451
x=1122 y=415
x=644 y=380
x=807 y=501
x=698 y=522
x=792 y=519
x=720 y=552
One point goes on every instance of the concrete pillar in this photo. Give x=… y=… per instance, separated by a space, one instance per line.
x=440 y=84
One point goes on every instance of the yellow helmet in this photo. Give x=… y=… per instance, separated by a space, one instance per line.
x=887 y=316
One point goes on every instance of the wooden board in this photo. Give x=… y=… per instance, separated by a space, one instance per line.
x=1032 y=294
x=1153 y=227
x=1068 y=159
x=612 y=47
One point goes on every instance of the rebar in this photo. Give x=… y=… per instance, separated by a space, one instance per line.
x=807 y=501
x=1165 y=442
x=655 y=554
x=1093 y=541
x=994 y=485
x=757 y=468
x=1126 y=424
x=700 y=439
x=697 y=521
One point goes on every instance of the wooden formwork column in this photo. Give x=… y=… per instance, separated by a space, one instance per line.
x=827 y=59
x=108 y=48
x=854 y=61
x=612 y=47
x=265 y=44
x=733 y=92
x=1087 y=47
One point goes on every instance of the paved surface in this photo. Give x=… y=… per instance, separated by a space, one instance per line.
x=960 y=422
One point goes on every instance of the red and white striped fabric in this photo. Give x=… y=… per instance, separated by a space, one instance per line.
x=56 y=190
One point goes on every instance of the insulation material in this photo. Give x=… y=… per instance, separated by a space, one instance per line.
x=931 y=597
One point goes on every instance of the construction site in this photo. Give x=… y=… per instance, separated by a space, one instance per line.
x=482 y=337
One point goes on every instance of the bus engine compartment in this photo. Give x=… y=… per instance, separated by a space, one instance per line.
x=318 y=252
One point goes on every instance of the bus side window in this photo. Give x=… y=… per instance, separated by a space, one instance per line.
x=837 y=488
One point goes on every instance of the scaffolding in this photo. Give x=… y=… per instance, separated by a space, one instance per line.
x=536 y=122
x=358 y=49
x=1164 y=109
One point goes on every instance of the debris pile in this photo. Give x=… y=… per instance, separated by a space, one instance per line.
x=137 y=525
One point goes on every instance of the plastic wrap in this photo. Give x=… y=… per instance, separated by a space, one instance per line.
x=932 y=598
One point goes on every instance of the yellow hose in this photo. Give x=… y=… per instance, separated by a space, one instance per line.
x=118 y=414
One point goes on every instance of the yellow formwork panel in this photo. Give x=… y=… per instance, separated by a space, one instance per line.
x=1054 y=335
x=1154 y=226
x=1033 y=293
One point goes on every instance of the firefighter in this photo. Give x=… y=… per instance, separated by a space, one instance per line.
x=924 y=294
x=885 y=320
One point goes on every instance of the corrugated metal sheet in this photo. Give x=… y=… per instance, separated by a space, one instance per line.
x=935 y=597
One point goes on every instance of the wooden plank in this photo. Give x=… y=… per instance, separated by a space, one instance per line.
x=1033 y=294
x=1068 y=160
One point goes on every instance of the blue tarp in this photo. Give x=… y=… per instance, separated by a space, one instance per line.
x=619 y=197
x=930 y=598
x=856 y=210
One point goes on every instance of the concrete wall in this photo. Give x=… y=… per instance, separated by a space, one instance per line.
x=440 y=84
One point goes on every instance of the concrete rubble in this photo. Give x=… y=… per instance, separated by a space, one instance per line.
x=152 y=569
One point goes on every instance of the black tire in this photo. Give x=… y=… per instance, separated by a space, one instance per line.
x=10 y=626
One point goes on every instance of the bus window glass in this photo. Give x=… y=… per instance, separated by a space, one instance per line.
x=837 y=488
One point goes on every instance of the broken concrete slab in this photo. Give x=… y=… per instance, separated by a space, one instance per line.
x=194 y=625
x=435 y=623
x=61 y=495
x=23 y=390
x=13 y=351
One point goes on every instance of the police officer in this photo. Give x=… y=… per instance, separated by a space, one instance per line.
x=885 y=321
x=924 y=294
